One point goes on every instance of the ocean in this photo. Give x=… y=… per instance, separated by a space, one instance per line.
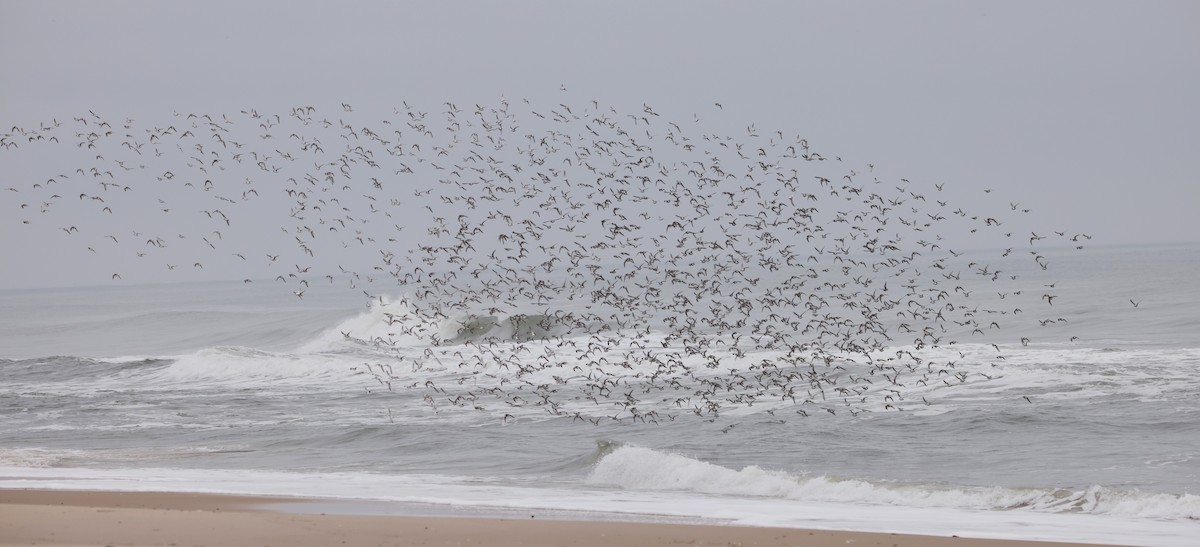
x=1092 y=434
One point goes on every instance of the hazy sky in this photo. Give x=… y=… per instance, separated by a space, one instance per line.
x=1085 y=111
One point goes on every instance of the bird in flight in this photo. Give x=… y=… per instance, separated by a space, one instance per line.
x=572 y=208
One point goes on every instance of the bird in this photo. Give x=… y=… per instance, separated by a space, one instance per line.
x=684 y=253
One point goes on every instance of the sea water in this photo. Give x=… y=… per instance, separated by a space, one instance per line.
x=1091 y=434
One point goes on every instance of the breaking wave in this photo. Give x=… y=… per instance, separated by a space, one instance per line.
x=637 y=468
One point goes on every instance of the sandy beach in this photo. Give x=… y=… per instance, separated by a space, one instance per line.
x=47 y=517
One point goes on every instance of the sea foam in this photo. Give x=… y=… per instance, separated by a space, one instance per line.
x=637 y=468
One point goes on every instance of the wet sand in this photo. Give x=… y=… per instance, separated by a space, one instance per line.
x=49 y=517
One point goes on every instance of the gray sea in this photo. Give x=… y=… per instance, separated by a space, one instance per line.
x=1089 y=431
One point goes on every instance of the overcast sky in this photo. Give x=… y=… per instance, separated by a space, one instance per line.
x=1086 y=112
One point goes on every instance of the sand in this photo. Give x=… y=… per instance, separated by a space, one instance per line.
x=49 y=517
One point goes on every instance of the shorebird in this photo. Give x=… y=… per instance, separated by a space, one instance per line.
x=503 y=207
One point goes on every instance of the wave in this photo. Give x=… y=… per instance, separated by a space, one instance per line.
x=519 y=327
x=236 y=367
x=41 y=458
x=638 y=468
x=399 y=323
x=29 y=457
x=396 y=345
x=66 y=368
x=252 y=369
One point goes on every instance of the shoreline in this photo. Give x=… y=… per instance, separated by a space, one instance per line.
x=75 y=517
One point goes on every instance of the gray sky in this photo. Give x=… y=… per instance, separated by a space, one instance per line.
x=1085 y=112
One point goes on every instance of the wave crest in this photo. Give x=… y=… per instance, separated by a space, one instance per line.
x=637 y=468
x=511 y=328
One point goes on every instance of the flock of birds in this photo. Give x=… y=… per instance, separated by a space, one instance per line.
x=576 y=259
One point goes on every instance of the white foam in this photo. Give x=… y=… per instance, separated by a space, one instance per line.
x=390 y=321
x=637 y=468
x=238 y=368
x=38 y=458
x=742 y=510
x=28 y=457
